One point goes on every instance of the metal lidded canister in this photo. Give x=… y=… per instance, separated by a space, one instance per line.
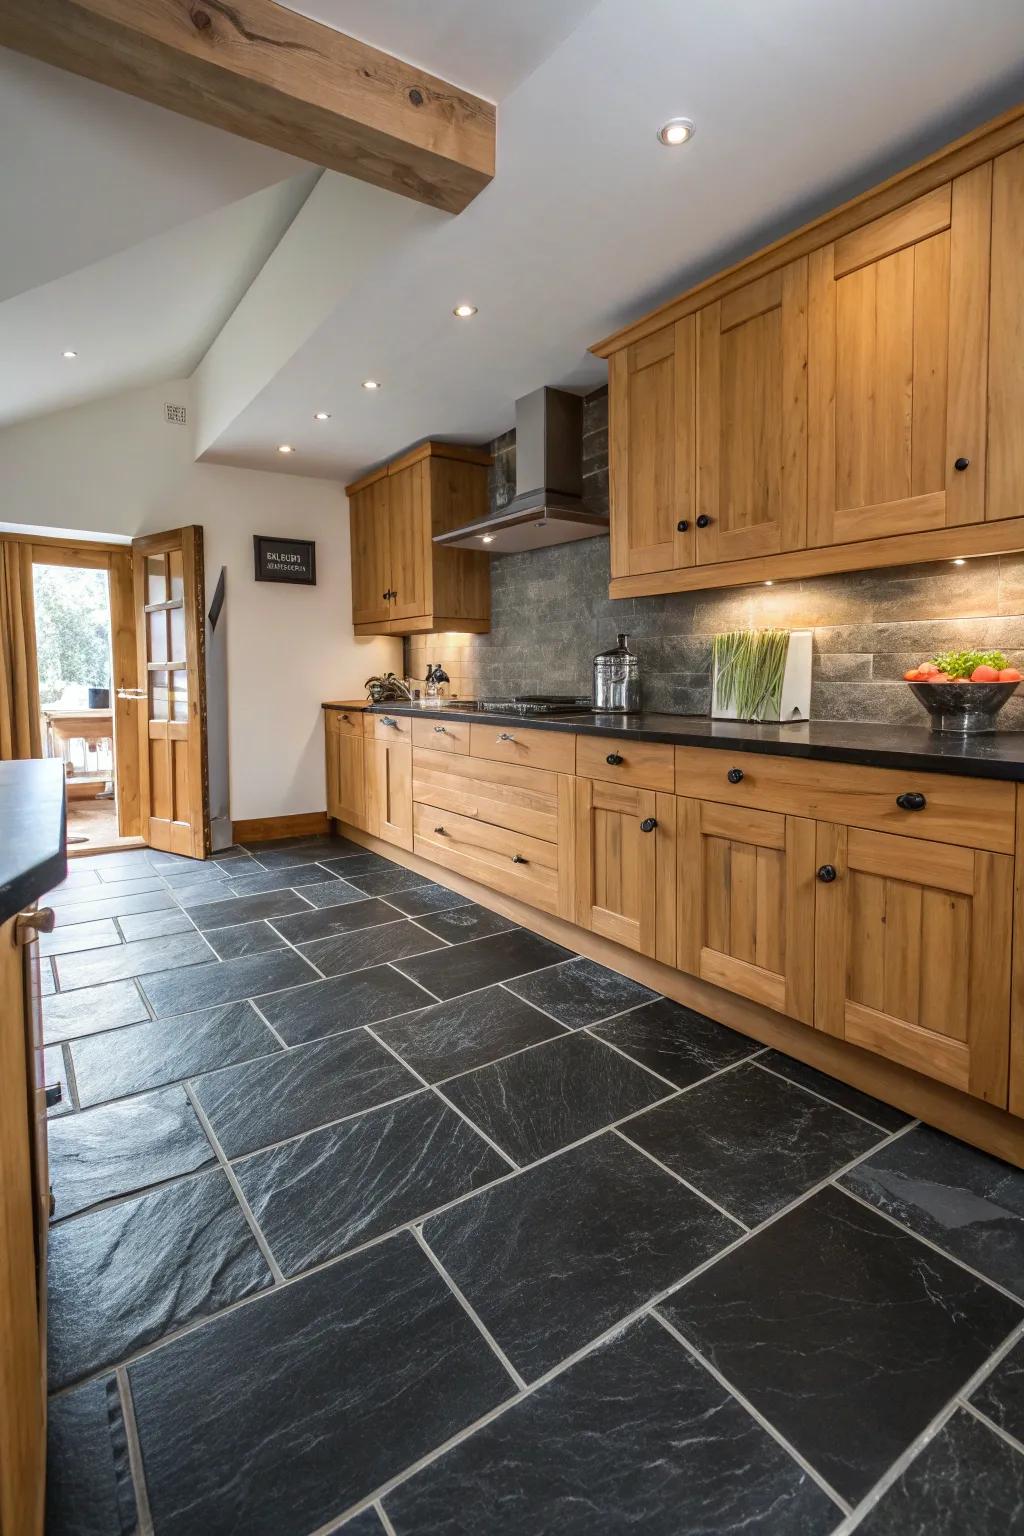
x=617 y=679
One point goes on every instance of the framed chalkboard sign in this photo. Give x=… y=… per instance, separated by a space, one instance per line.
x=288 y=560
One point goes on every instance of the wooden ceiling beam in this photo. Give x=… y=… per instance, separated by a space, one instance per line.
x=253 y=68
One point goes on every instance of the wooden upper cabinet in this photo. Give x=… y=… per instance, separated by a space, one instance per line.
x=752 y=419
x=898 y=368
x=652 y=451
x=402 y=582
x=1006 y=340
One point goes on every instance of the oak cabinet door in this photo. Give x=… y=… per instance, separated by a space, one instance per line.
x=1006 y=340
x=351 y=781
x=625 y=857
x=409 y=541
x=389 y=791
x=746 y=903
x=371 y=559
x=752 y=419
x=913 y=954
x=897 y=368
x=651 y=451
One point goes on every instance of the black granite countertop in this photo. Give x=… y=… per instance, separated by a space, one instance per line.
x=32 y=843
x=996 y=755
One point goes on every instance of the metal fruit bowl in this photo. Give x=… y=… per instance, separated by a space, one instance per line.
x=964 y=707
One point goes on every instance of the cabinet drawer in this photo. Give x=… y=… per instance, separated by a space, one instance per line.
x=971 y=813
x=503 y=794
x=347 y=722
x=506 y=861
x=441 y=735
x=555 y=750
x=642 y=764
x=387 y=727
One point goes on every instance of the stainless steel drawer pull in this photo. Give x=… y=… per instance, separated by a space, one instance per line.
x=387 y=720
x=505 y=736
x=441 y=730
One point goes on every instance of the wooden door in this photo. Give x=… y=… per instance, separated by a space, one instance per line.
x=746 y=903
x=371 y=553
x=346 y=773
x=1005 y=491
x=167 y=570
x=651 y=451
x=389 y=791
x=625 y=866
x=409 y=540
x=898 y=368
x=912 y=944
x=752 y=419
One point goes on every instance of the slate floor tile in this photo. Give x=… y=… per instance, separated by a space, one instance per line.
x=482 y=962
x=305 y=853
x=306 y=926
x=970 y=1204
x=203 y=986
x=195 y=874
x=154 y=925
x=112 y=906
x=1001 y=1395
x=331 y=892
x=965 y=1482
x=123 y=1276
x=545 y=1098
x=342 y=1003
x=148 y=885
x=90 y=1010
x=457 y=924
x=244 y=939
x=125 y=858
x=580 y=992
x=382 y=882
x=369 y=946
x=280 y=879
x=676 y=1042
x=160 y=1051
x=265 y=1101
x=554 y=1258
x=75 y=879
x=366 y=1523
x=115 y=963
x=88 y=1480
x=750 y=1141
x=340 y=1186
x=634 y=1437
x=47 y=985
x=846 y=1333
x=243 y=909
x=67 y=940
x=55 y=1071
x=121 y=1148
x=341 y=1382
x=884 y=1115
x=466 y=1032
x=362 y=863
x=427 y=898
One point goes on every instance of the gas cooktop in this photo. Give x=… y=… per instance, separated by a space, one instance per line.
x=536 y=704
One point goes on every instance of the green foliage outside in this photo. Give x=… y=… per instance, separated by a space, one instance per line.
x=72 y=633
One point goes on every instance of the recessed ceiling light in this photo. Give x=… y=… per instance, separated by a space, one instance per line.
x=285 y=448
x=464 y=311
x=69 y=354
x=959 y=561
x=370 y=384
x=678 y=130
x=321 y=415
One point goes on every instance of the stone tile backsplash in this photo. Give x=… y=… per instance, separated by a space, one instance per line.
x=551 y=612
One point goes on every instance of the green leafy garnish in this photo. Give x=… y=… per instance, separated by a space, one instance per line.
x=963 y=663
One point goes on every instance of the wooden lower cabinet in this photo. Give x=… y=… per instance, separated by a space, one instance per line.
x=746 y=903
x=389 y=791
x=625 y=866
x=913 y=954
x=346 y=772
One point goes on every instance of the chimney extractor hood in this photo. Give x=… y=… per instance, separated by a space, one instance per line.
x=548 y=506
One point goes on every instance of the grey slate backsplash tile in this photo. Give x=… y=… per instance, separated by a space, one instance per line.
x=551 y=612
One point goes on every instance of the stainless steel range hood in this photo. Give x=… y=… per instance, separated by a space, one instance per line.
x=548 y=506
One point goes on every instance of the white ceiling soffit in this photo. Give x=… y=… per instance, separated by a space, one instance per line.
x=86 y=171
x=590 y=221
x=144 y=314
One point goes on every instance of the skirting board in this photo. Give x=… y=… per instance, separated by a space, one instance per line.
x=262 y=829
x=983 y=1125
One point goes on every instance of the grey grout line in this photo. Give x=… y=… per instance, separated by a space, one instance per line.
x=823 y=1096
x=394 y=967
x=745 y=1402
x=997 y=1429
x=355 y=1114
x=384 y=1518
x=463 y=1301
x=135 y=1462
x=261 y=1015
x=634 y=1147
x=71 y=1075
x=145 y=1003
x=57 y=1220
x=232 y=1179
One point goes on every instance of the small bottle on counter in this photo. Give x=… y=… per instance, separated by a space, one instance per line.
x=442 y=682
x=429 y=685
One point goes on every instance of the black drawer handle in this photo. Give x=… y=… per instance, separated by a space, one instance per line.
x=614 y=759
x=913 y=800
x=648 y=824
x=703 y=521
x=827 y=873
x=682 y=525
x=441 y=830
x=517 y=858
x=735 y=775
x=961 y=463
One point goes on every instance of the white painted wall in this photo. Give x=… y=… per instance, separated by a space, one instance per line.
x=114 y=467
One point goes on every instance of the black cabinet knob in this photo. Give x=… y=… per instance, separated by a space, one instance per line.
x=913 y=800
x=441 y=831
x=517 y=858
x=735 y=775
x=703 y=521
x=648 y=824
x=827 y=873
x=961 y=463
x=682 y=525
x=614 y=758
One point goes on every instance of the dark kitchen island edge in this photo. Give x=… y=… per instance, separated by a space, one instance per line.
x=33 y=849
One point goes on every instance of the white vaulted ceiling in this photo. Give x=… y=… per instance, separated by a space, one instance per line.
x=588 y=222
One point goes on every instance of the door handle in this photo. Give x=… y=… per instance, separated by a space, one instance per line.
x=131 y=693
x=440 y=730
x=648 y=824
x=827 y=873
x=387 y=720
x=505 y=736
x=29 y=925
